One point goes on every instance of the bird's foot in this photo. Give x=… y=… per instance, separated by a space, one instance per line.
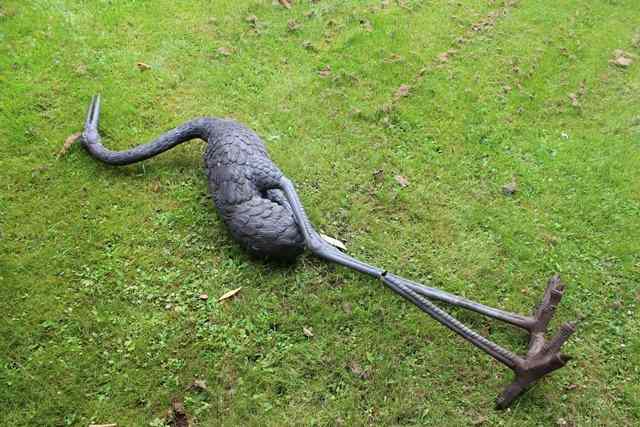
x=544 y=355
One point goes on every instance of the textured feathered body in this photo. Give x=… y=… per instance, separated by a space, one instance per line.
x=241 y=180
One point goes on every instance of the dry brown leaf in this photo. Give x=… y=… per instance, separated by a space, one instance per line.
x=71 y=139
x=308 y=332
x=285 y=3
x=621 y=58
x=333 y=242
x=293 y=25
x=402 y=91
x=401 y=4
x=203 y=297
x=81 y=69
x=142 y=66
x=198 y=386
x=325 y=72
x=357 y=370
x=623 y=61
x=574 y=99
x=309 y=46
x=445 y=56
x=402 y=180
x=378 y=176
x=366 y=24
x=224 y=51
x=355 y=367
x=510 y=188
x=394 y=58
x=252 y=20
x=229 y=294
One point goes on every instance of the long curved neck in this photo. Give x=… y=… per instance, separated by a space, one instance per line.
x=198 y=128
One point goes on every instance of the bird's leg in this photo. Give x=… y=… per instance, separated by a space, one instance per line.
x=543 y=357
x=535 y=325
x=317 y=244
x=524 y=322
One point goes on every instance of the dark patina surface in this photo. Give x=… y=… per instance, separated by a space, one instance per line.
x=263 y=212
x=243 y=181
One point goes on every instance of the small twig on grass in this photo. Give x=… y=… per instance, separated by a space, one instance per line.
x=71 y=139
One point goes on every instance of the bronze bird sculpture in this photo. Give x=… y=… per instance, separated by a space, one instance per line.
x=260 y=207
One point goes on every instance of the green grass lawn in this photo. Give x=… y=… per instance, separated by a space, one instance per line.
x=101 y=268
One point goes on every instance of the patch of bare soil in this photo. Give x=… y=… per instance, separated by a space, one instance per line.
x=177 y=416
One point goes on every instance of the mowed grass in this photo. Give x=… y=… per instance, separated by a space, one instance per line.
x=101 y=268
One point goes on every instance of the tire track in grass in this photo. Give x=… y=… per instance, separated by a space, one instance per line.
x=440 y=61
x=549 y=71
